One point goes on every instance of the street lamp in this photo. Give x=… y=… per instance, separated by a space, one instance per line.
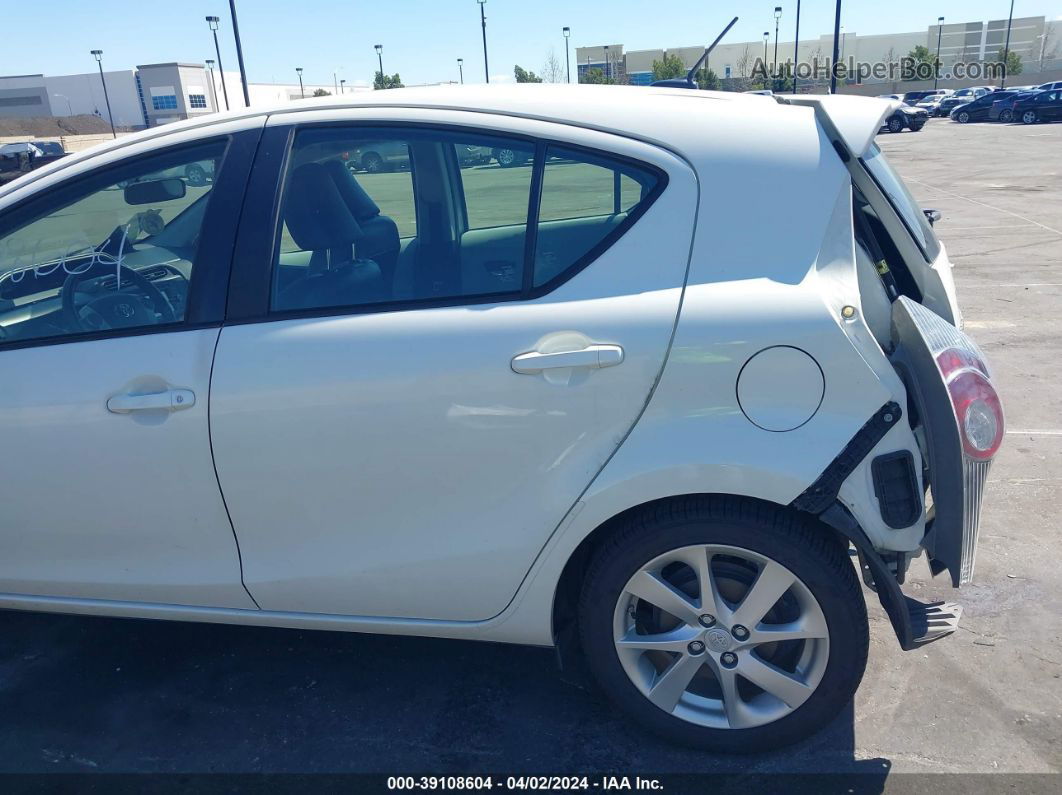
x=98 y=55
x=777 y=19
x=1006 y=47
x=567 y=63
x=836 y=44
x=379 y=56
x=69 y=108
x=461 y=69
x=342 y=85
x=607 y=64
x=239 y=53
x=213 y=85
x=796 y=48
x=302 y=91
x=213 y=23
x=483 y=22
x=936 y=64
x=766 y=36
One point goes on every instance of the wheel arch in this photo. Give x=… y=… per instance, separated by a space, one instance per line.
x=569 y=584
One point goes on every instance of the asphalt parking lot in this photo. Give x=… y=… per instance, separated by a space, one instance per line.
x=95 y=695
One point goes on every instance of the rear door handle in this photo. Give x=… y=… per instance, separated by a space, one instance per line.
x=170 y=400
x=592 y=356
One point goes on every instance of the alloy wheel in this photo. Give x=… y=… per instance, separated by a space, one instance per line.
x=721 y=636
x=1006 y=116
x=1029 y=117
x=964 y=117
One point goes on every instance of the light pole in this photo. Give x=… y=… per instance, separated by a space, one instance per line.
x=936 y=65
x=796 y=48
x=302 y=91
x=483 y=22
x=766 y=36
x=607 y=64
x=343 y=85
x=777 y=19
x=239 y=53
x=567 y=63
x=213 y=23
x=213 y=85
x=379 y=57
x=836 y=44
x=1006 y=47
x=98 y=55
x=461 y=69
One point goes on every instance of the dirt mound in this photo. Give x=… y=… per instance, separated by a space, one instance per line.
x=48 y=127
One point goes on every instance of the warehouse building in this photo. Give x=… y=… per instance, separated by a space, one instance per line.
x=147 y=96
x=1037 y=40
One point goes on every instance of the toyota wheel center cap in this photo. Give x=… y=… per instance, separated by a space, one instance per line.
x=718 y=640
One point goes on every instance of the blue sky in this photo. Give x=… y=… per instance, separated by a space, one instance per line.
x=423 y=38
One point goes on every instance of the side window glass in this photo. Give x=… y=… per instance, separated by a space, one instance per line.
x=584 y=198
x=394 y=215
x=114 y=250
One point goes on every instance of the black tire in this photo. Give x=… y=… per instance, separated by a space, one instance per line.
x=372 y=163
x=895 y=125
x=1029 y=117
x=196 y=175
x=809 y=550
x=917 y=127
x=1006 y=116
x=962 y=117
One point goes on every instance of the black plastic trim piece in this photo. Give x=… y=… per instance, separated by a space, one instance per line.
x=821 y=494
x=896 y=487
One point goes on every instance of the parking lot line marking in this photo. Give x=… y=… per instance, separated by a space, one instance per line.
x=1034 y=432
x=1001 y=226
x=983 y=204
x=1030 y=284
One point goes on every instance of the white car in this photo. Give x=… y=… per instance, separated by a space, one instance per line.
x=581 y=401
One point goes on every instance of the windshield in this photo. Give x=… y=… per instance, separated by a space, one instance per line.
x=902 y=201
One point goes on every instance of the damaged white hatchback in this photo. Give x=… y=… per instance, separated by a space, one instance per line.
x=539 y=372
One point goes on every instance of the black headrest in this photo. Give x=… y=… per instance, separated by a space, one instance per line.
x=316 y=213
x=359 y=202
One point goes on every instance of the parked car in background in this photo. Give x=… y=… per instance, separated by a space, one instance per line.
x=1057 y=84
x=914 y=97
x=533 y=405
x=1041 y=106
x=28 y=155
x=1002 y=107
x=948 y=104
x=906 y=117
x=970 y=93
x=973 y=111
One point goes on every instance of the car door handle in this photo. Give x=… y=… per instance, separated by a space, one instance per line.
x=592 y=356
x=170 y=400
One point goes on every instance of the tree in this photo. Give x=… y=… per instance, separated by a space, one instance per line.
x=921 y=55
x=552 y=71
x=595 y=76
x=671 y=66
x=524 y=76
x=707 y=80
x=320 y=92
x=382 y=81
x=744 y=61
x=1014 y=65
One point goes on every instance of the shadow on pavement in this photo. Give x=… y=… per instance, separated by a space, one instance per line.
x=110 y=695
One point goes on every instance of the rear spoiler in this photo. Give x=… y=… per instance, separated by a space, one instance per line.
x=850 y=121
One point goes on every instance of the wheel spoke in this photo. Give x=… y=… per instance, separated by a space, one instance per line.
x=674 y=641
x=655 y=591
x=711 y=602
x=807 y=627
x=773 y=581
x=669 y=686
x=775 y=681
x=737 y=712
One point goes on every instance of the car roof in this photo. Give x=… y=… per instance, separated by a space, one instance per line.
x=661 y=116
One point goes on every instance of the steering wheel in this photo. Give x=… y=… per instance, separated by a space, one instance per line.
x=117 y=309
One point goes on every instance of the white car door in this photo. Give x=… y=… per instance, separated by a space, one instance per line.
x=109 y=316
x=402 y=411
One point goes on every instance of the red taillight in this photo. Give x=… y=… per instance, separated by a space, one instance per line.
x=978 y=410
